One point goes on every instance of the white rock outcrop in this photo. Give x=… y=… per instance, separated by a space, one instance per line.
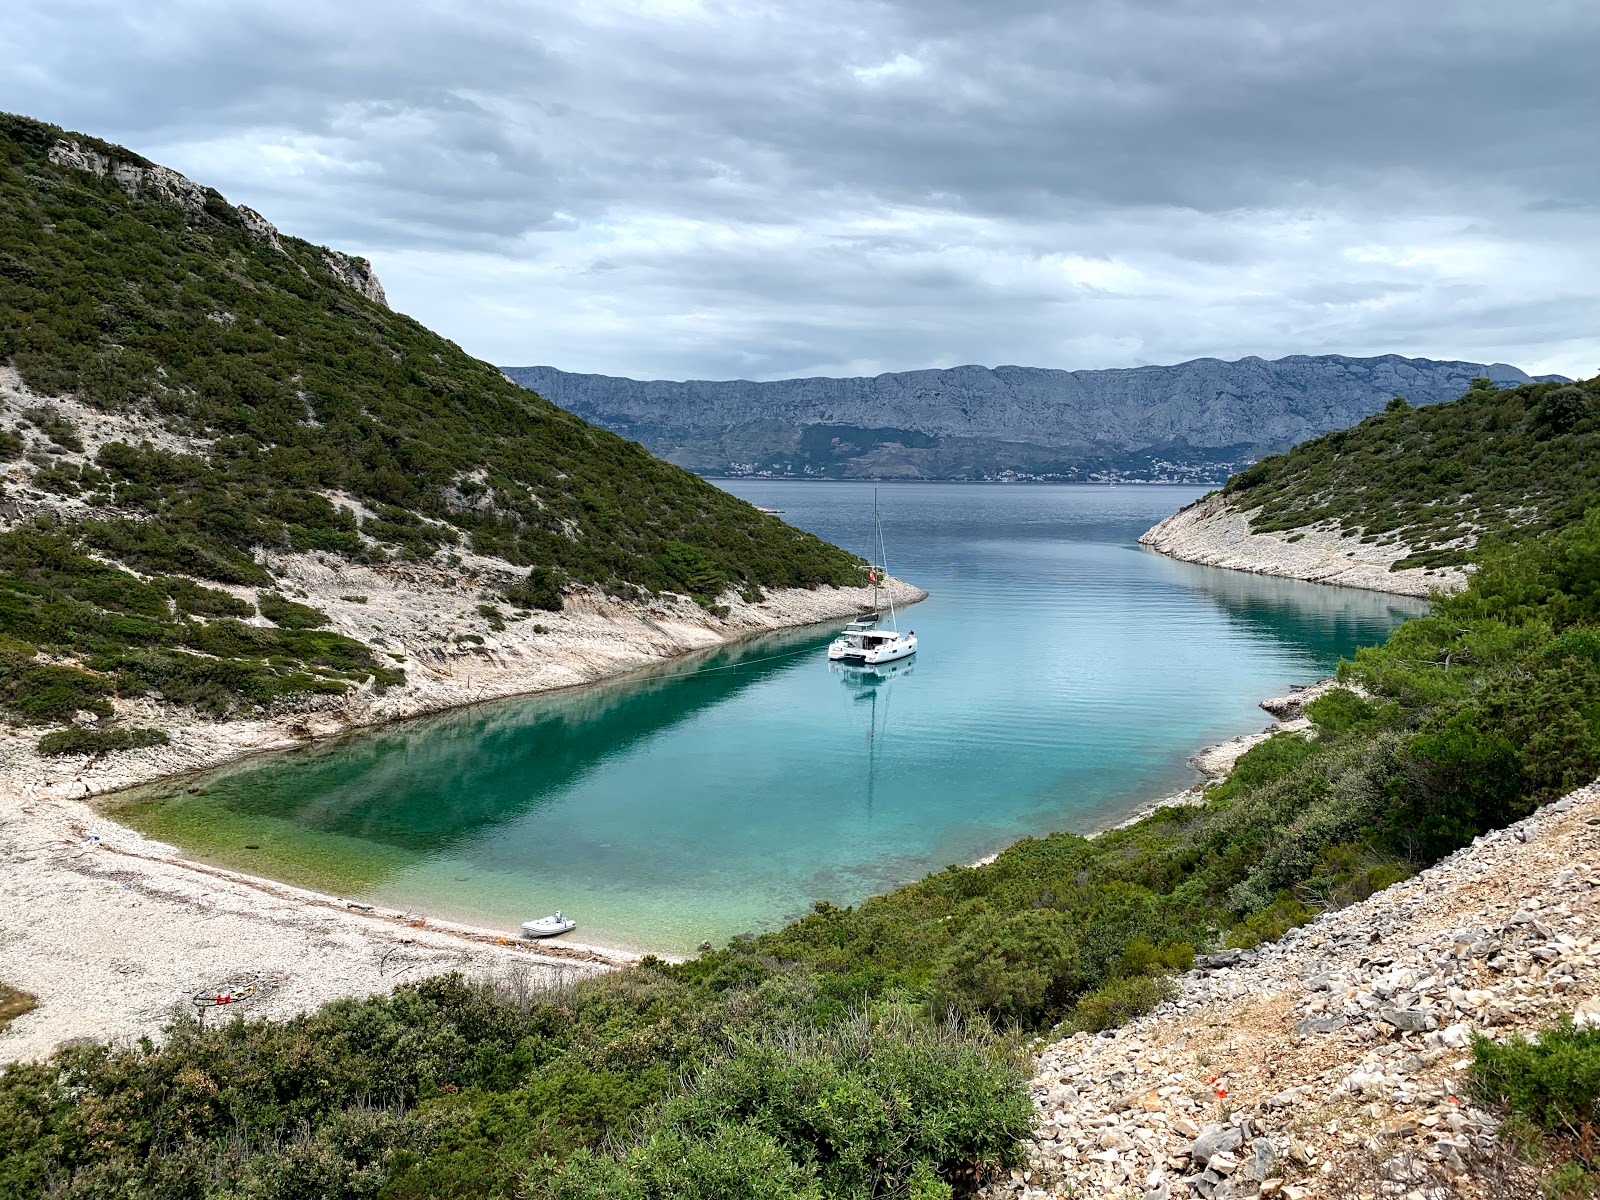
x=1215 y=533
x=356 y=274
x=166 y=186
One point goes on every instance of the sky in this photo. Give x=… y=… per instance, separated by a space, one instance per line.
x=706 y=189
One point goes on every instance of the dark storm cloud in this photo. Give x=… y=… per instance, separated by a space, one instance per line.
x=666 y=187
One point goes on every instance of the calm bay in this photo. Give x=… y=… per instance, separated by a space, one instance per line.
x=1065 y=676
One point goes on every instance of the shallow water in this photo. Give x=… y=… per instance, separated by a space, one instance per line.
x=1065 y=674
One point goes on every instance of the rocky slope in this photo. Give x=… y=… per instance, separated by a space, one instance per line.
x=1197 y=420
x=1330 y=1063
x=1215 y=532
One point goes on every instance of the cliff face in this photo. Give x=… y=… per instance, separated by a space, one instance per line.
x=1215 y=533
x=1195 y=420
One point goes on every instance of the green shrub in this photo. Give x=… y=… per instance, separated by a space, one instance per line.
x=1012 y=968
x=1118 y=1002
x=286 y=614
x=1497 y=464
x=45 y=692
x=98 y=741
x=541 y=590
x=192 y=598
x=1553 y=1081
x=858 y=1110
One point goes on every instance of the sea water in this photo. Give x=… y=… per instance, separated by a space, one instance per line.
x=1065 y=675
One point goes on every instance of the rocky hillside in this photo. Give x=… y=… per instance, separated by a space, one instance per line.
x=1399 y=502
x=218 y=445
x=1197 y=421
x=1339 y=1061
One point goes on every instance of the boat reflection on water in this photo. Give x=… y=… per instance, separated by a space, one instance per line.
x=868 y=685
x=864 y=679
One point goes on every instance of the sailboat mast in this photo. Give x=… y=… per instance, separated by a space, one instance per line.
x=882 y=553
x=872 y=552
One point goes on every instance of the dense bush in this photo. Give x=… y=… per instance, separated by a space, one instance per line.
x=286 y=614
x=1549 y=1089
x=97 y=741
x=868 y=1107
x=445 y=1089
x=1553 y=1081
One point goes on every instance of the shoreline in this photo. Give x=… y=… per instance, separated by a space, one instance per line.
x=116 y=974
x=1212 y=533
x=1216 y=762
x=136 y=928
x=112 y=970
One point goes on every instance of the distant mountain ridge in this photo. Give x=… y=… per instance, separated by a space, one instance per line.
x=1195 y=421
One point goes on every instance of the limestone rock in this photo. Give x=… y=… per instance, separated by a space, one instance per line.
x=355 y=273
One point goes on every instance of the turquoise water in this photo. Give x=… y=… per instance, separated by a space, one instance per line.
x=1065 y=674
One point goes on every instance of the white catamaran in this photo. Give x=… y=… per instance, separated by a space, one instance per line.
x=862 y=641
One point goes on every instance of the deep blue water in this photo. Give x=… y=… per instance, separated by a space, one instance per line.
x=1065 y=674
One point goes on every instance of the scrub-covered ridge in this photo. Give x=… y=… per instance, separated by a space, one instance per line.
x=1497 y=463
x=1399 y=502
x=191 y=400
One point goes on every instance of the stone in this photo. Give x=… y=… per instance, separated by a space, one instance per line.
x=1263 y=1163
x=1215 y=1139
x=1409 y=1020
x=1309 y=1025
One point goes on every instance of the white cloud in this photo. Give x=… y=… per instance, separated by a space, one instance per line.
x=736 y=187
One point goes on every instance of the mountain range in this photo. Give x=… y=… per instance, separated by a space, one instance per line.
x=1197 y=421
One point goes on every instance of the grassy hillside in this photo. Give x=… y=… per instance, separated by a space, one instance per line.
x=271 y=406
x=1495 y=464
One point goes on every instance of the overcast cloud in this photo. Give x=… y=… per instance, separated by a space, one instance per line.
x=676 y=189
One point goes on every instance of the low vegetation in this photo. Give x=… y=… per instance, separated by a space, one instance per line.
x=1548 y=1087
x=1496 y=464
x=303 y=388
x=871 y=1051
x=75 y=632
x=866 y=1051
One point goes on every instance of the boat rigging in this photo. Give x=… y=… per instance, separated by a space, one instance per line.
x=861 y=641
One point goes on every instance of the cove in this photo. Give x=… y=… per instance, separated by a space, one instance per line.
x=1065 y=676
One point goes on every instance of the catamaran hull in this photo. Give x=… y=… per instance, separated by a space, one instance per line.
x=879 y=654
